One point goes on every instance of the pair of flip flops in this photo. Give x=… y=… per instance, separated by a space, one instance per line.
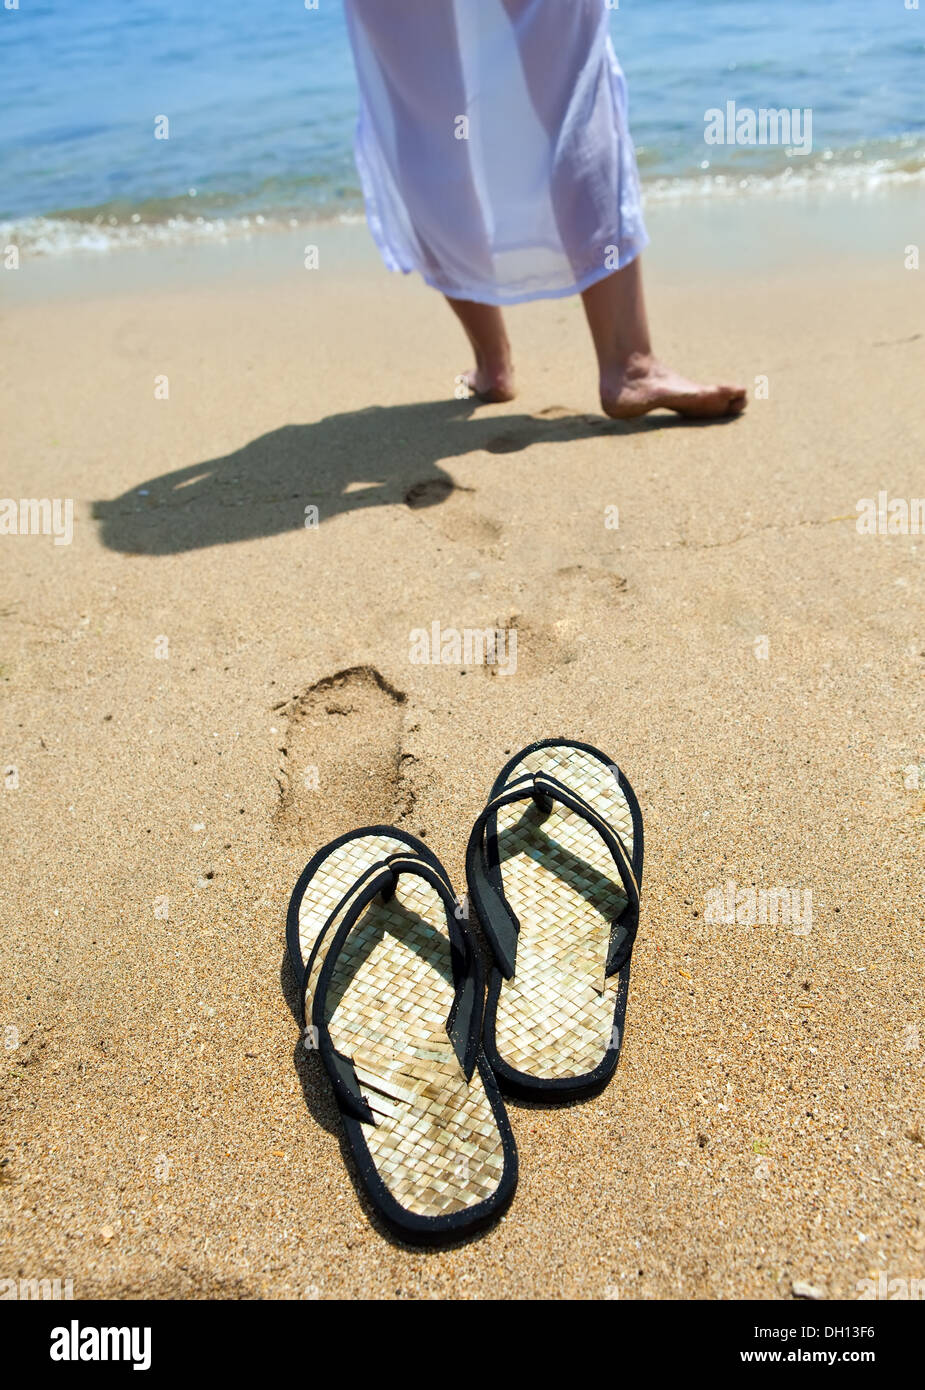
x=394 y=989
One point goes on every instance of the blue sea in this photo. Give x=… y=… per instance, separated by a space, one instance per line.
x=261 y=102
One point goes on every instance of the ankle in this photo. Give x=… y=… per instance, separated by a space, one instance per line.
x=497 y=359
x=496 y=367
x=629 y=366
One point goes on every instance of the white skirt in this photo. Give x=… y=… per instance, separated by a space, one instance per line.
x=493 y=144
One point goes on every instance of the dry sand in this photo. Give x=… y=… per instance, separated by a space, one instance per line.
x=163 y=1132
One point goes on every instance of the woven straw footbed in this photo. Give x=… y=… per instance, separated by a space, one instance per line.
x=555 y=1017
x=435 y=1142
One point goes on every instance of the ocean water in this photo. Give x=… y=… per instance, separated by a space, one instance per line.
x=261 y=102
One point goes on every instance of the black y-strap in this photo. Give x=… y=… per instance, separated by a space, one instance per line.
x=464 y=1024
x=494 y=912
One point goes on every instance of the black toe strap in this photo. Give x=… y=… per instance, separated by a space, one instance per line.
x=494 y=912
x=464 y=1024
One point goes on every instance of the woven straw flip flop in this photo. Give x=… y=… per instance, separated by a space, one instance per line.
x=393 y=996
x=553 y=866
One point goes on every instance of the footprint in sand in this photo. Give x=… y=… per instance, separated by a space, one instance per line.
x=559 y=611
x=575 y=599
x=342 y=763
x=429 y=492
x=522 y=437
x=455 y=519
x=507 y=443
x=576 y=581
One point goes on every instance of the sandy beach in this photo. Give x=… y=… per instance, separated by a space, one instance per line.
x=169 y=677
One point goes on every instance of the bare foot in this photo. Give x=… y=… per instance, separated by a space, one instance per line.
x=643 y=384
x=491 y=384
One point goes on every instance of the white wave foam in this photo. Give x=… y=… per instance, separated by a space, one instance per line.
x=56 y=236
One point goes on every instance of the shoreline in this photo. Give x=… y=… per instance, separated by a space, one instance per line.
x=711 y=237
x=204 y=217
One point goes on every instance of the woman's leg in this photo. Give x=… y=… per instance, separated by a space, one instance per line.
x=554 y=41
x=632 y=380
x=427 y=94
x=493 y=375
x=415 y=51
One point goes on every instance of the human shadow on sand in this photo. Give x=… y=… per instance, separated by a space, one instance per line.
x=378 y=456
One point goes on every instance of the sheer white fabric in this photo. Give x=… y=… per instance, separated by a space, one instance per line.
x=493 y=144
